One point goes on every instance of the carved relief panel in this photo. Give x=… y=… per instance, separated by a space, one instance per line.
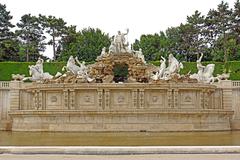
x=155 y=99
x=87 y=99
x=120 y=99
x=189 y=99
x=54 y=100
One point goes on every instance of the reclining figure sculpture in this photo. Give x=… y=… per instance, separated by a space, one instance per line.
x=36 y=72
x=205 y=73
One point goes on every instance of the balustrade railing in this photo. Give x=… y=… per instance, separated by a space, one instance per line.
x=236 y=84
x=4 y=84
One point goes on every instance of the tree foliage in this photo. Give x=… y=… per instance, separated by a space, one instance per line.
x=56 y=28
x=86 y=44
x=216 y=35
x=8 y=42
x=31 y=35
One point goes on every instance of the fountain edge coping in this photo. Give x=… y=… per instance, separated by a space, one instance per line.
x=119 y=150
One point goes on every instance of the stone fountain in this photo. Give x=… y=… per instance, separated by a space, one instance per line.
x=87 y=98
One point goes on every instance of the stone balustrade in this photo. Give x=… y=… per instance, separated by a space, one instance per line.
x=4 y=84
x=235 y=84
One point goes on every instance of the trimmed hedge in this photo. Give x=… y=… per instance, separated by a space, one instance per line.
x=232 y=66
x=8 y=68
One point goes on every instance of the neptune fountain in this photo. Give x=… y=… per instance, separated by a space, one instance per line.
x=150 y=98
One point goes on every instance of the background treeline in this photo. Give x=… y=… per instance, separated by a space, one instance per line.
x=216 y=34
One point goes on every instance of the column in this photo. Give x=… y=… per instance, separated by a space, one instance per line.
x=65 y=99
x=201 y=99
x=72 y=97
x=134 y=98
x=39 y=94
x=141 y=98
x=175 y=97
x=170 y=98
x=100 y=99
x=107 y=99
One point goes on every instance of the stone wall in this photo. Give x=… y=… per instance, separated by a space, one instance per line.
x=120 y=107
x=236 y=105
x=4 y=105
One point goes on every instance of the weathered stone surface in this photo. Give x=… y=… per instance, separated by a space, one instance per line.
x=104 y=66
x=121 y=107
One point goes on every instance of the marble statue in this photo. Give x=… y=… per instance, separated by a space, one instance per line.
x=173 y=68
x=221 y=77
x=71 y=66
x=103 y=53
x=173 y=65
x=140 y=55
x=80 y=69
x=162 y=67
x=18 y=77
x=36 y=72
x=205 y=73
x=164 y=72
x=39 y=65
x=112 y=47
x=120 y=42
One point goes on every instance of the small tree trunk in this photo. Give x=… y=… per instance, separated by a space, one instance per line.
x=54 y=49
x=27 y=55
x=27 y=50
x=224 y=48
x=54 y=45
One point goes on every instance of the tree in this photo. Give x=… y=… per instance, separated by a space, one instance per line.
x=196 y=42
x=56 y=28
x=8 y=42
x=218 y=25
x=5 y=24
x=153 y=45
x=31 y=34
x=66 y=42
x=236 y=21
x=9 y=49
x=186 y=40
x=86 y=44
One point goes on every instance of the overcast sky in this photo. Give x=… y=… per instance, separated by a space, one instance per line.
x=140 y=16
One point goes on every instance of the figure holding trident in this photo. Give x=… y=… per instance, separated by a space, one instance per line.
x=120 y=41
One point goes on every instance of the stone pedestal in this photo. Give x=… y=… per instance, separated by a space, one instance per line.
x=120 y=107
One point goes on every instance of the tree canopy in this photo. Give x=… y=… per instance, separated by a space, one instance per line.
x=216 y=35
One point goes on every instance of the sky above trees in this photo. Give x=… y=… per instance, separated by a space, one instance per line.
x=140 y=16
x=185 y=28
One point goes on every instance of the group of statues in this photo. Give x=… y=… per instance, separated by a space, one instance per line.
x=81 y=71
x=204 y=74
x=118 y=45
x=164 y=72
x=73 y=67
